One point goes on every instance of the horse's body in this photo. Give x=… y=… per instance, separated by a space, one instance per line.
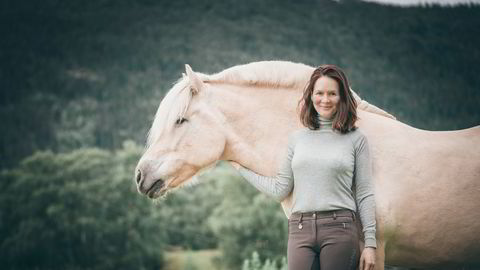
x=427 y=184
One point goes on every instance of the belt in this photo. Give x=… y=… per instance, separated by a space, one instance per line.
x=323 y=214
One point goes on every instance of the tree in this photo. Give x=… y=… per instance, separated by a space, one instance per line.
x=78 y=210
x=247 y=221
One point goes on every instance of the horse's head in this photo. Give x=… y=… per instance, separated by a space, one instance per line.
x=185 y=137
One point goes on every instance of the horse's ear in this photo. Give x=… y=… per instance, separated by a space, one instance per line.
x=196 y=83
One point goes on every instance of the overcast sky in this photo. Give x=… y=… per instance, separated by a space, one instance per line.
x=417 y=2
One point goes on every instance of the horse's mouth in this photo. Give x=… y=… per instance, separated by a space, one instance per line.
x=156 y=190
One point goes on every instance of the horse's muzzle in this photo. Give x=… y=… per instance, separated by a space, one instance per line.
x=150 y=190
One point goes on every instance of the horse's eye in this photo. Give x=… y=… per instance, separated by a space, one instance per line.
x=180 y=121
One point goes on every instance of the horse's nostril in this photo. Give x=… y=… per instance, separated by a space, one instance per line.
x=139 y=176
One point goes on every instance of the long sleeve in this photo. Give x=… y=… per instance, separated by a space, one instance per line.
x=365 y=198
x=278 y=186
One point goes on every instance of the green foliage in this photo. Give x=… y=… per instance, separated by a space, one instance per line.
x=186 y=213
x=246 y=221
x=74 y=128
x=254 y=263
x=78 y=210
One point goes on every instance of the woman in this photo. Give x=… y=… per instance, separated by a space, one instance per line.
x=329 y=170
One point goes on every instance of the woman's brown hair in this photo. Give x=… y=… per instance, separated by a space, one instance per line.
x=346 y=115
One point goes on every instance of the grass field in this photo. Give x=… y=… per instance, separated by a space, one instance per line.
x=192 y=260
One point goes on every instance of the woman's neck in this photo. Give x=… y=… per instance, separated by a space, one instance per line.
x=325 y=123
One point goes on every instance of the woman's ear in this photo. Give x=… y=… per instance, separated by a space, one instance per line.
x=196 y=84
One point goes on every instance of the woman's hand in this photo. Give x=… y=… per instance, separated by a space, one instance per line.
x=367 y=260
x=234 y=164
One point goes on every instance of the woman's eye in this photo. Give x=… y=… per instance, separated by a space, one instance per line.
x=180 y=121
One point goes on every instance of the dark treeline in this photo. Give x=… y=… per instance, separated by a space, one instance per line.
x=76 y=73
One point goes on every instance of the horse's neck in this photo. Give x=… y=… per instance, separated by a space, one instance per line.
x=258 y=121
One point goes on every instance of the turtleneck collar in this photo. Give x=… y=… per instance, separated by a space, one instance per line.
x=325 y=123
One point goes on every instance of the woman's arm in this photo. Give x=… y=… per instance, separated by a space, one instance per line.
x=278 y=186
x=364 y=190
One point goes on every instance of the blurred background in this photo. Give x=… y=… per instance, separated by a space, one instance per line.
x=80 y=82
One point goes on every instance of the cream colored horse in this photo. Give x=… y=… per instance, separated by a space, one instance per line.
x=427 y=183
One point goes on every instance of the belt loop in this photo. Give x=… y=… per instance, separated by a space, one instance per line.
x=353 y=215
x=301 y=217
x=334 y=215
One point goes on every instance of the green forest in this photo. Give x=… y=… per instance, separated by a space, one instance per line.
x=80 y=82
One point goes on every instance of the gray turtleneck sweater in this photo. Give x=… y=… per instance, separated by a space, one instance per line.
x=323 y=167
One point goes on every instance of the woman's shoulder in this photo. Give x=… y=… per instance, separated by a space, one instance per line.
x=357 y=132
x=297 y=134
x=357 y=136
x=292 y=135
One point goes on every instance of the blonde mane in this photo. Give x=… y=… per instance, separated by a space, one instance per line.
x=172 y=107
x=279 y=74
x=264 y=73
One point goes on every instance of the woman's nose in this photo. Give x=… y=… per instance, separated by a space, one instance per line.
x=324 y=99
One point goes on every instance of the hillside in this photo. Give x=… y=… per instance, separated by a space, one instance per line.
x=76 y=74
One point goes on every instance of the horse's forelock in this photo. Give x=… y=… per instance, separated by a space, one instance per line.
x=173 y=106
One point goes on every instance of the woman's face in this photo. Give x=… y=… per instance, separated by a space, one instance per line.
x=326 y=96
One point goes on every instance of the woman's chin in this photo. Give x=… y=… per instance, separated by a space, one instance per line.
x=326 y=115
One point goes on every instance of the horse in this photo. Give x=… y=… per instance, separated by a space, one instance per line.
x=426 y=183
